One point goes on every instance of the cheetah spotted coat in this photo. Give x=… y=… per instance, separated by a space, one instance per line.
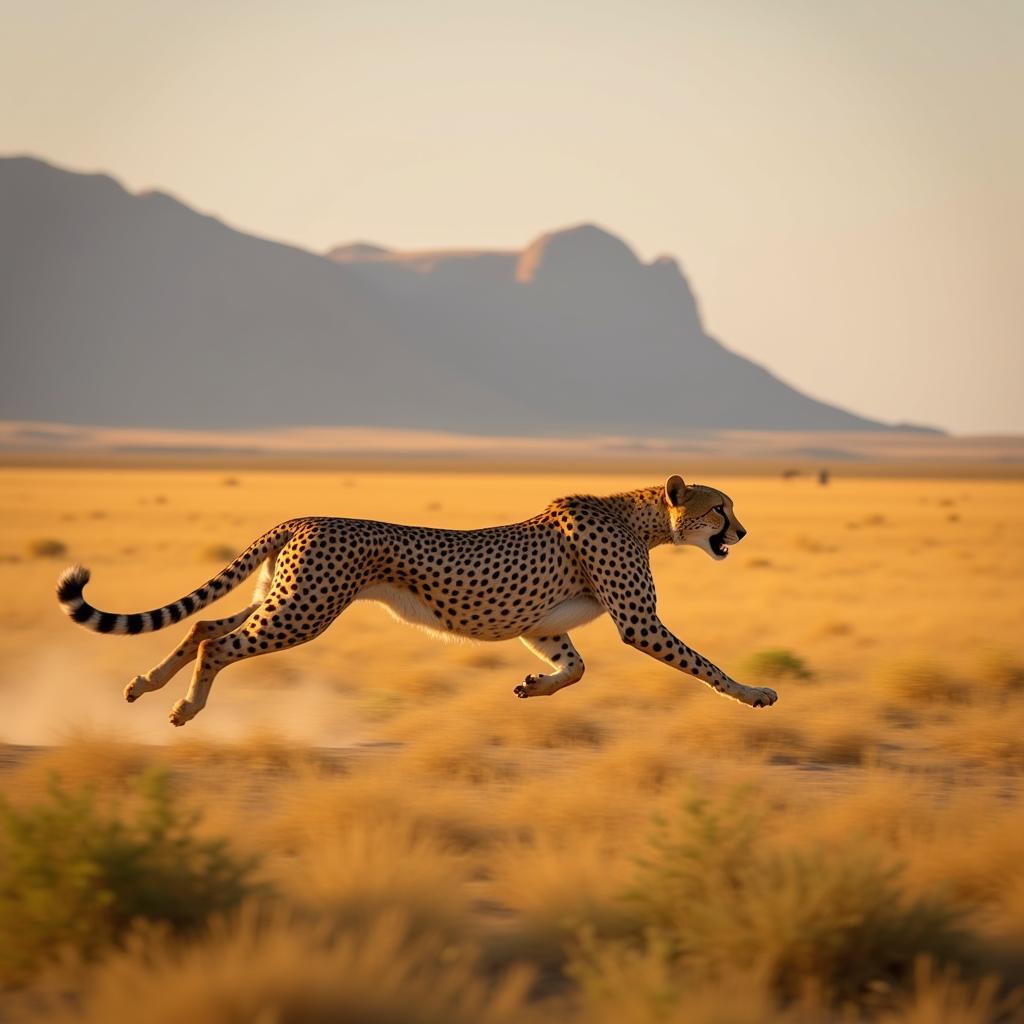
x=581 y=557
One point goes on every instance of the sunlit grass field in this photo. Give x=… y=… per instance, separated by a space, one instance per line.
x=394 y=837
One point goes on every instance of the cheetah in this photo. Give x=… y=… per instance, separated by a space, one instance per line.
x=582 y=557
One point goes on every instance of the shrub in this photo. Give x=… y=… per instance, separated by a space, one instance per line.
x=776 y=663
x=837 y=918
x=46 y=547
x=73 y=876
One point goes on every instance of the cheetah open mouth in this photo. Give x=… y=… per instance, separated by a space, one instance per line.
x=718 y=545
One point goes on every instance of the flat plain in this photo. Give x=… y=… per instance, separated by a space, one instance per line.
x=423 y=846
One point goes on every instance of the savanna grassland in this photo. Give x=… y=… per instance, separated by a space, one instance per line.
x=371 y=828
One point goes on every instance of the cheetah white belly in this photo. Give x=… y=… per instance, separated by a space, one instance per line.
x=576 y=611
x=403 y=605
x=407 y=607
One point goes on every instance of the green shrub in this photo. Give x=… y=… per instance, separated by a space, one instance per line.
x=46 y=547
x=837 y=918
x=776 y=663
x=73 y=876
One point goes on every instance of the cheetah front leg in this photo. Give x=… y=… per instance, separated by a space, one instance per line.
x=649 y=636
x=631 y=601
x=559 y=653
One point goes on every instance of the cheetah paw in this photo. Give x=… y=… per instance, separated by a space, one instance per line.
x=136 y=688
x=760 y=697
x=527 y=688
x=181 y=713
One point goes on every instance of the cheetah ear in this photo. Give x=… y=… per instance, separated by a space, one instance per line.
x=675 y=488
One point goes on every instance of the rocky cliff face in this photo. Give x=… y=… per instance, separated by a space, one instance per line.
x=126 y=309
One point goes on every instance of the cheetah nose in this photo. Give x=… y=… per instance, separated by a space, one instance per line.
x=740 y=534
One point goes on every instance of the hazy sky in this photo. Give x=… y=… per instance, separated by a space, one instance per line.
x=842 y=182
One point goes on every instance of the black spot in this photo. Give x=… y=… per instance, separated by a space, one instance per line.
x=107 y=622
x=82 y=613
x=134 y=623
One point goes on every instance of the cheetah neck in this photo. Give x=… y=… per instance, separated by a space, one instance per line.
x=647 y=514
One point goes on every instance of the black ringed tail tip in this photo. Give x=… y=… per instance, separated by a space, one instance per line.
x=72 y=582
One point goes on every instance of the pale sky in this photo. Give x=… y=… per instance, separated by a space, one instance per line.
x=842 y=182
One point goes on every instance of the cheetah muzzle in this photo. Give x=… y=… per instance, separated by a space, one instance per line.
x=582 y=557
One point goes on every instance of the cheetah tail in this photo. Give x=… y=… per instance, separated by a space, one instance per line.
x=73 y=579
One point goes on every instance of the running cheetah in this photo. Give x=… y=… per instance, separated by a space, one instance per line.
x=581 y=557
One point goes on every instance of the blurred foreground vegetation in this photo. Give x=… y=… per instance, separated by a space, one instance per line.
x=253 y=881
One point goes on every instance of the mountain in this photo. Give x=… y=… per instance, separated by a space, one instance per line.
x=135 y=310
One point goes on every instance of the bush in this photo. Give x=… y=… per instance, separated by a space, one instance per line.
x=776 y=663
x=46 y=547
x=75 y=877
x=836 y=918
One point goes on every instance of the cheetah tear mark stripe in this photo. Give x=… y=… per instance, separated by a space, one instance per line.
x=73 y=580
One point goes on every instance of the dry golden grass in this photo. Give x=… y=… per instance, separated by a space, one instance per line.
x=405 y=810
x=293 y=971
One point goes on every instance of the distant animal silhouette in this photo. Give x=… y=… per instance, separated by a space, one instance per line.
x=581 y=557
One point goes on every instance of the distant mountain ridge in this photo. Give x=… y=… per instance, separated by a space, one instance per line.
x=135 y=310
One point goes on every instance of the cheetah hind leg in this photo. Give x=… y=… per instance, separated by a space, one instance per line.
x=558 y=651
x=184 y=654
x=249 y=640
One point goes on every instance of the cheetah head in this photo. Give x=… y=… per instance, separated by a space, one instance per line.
x=702 y=516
